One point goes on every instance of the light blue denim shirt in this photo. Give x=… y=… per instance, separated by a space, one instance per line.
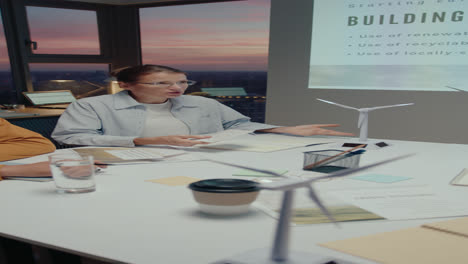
x=117 y=119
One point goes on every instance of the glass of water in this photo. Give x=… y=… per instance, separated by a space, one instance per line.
x=72 y=173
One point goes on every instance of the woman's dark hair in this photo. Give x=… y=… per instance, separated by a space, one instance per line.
x=132 y=73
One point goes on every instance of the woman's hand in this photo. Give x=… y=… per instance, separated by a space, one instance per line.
x=38 y=169
x=179 y=140
x=308 y=130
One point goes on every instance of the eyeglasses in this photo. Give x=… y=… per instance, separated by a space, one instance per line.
x=169 y=84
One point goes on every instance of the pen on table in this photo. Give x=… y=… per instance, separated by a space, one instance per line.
x=314 y=144
x=334 y=156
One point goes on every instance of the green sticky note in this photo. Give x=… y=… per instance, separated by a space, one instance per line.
x=380 y=178
x=251 y=173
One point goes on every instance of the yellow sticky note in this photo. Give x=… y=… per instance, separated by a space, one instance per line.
x=175 y=180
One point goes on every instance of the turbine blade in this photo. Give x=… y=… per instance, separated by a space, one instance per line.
x=313 y=195
x=388 y=106
x=247 y=168
x=290 y=183
x=341 y=105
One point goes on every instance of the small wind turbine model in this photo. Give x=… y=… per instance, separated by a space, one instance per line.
x=280 y=250
x=363 y=122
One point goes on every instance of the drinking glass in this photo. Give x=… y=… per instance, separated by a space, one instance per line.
x=73 y=173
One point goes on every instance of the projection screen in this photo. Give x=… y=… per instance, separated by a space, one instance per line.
x=389 y=45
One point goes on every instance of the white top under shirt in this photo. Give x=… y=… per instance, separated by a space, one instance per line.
x=161 y=122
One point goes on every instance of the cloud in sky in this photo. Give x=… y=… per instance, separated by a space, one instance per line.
x=214 y=36
x=63 y=31
x=231 y=36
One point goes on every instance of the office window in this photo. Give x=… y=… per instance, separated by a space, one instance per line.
x=220 y=45
x=83 y=80
x=7 y=94
x=63 y=31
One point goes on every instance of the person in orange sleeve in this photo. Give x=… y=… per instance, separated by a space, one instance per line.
x=18 y=143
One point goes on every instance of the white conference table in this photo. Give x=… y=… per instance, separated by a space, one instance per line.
x=130 y=220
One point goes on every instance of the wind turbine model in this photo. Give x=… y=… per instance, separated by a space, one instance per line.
x=280 y=251
x=363 y=122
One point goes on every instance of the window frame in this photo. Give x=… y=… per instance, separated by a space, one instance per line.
x=104 y=38
x=20 y=52
x=118 y=32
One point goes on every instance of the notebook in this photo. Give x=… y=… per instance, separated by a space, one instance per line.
x=58 y=99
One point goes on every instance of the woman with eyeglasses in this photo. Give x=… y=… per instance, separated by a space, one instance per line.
x=153 y=109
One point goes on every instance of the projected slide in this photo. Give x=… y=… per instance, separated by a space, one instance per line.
x=390 y=45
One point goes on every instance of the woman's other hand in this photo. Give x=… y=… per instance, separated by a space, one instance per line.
x=308 y=130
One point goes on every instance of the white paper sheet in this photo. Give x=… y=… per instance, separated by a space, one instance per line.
x=266 y=142
x=225 y=135
x=136 y=154
x=411 y=202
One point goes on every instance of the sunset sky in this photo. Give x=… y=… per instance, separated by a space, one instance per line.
x=216 y=36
